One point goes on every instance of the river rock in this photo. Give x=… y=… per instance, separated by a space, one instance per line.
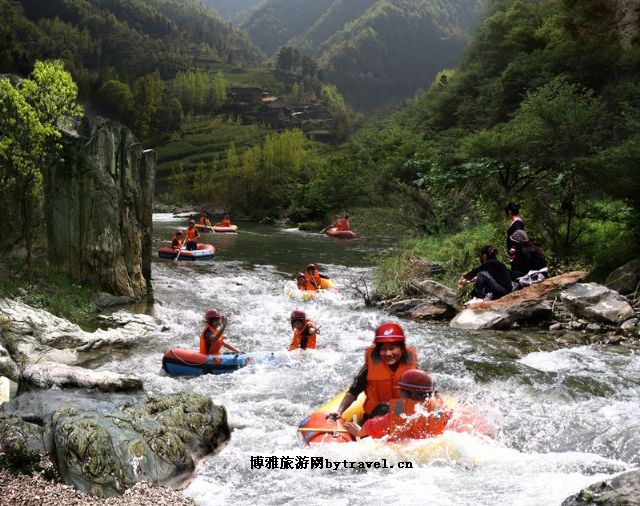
x=33 y=335
x=104 y=443
x=98 y=208
x=629 y=324
x=624 y=490
x=421 y=309
x=49 y=374
x=625 y=279
x=8 y=367
x=597 y=303
x=8 y=389
x=439 y=291
x=105 y=300
x=502 y=317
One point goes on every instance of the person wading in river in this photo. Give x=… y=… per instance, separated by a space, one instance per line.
x=419 y=413
x=211 y=338
x=304 y=331
x=385 y=362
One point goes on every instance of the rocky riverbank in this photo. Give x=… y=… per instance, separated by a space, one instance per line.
x=36 y=491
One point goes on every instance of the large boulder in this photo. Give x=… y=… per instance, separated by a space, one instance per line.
x=105 y=443
x=625 y=279
x=49 y=374
x=502 y=317
x=421 y=309
x=98 y=208
x=525 y=306
x=441 y=292
x=8 y=389
x=623 y=490
x=595 y=302
x=32 y=335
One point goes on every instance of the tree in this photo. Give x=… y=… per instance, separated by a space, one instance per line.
x=147 y=100
x=31 y=114
x=115 y=97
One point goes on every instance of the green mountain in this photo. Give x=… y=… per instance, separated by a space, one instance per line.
x=375 y=51
x=127 y=38
x=234 y=11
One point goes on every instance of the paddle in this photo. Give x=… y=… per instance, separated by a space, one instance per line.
x=318 y=429
x=184 y=246
x=325 y=229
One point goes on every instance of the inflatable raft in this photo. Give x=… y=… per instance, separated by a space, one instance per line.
x=341 y=234
x=184 y=362
x=326 y=286
x=233 y=229
x=204 y=252
x=315 y=428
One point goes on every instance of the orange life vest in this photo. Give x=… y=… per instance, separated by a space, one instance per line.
x=176 y=243
x=298 y=337
x=192 y=234
x=214 y=346
x=382 y=382
x=224 y=223
x=407 y=422
x=204 y=221
x=313 y=281
x=342 y=224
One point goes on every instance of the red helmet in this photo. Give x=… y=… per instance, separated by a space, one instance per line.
x=298 y=315
x=192 y=222
x=178 y=232
x=300 y=275
x=212 y=314
x=312 y=267
x=389 y=333
x=415 y=379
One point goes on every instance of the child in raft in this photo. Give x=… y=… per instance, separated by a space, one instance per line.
x=226 y=222
x=204 y=219
x=304 y=331
x=417 y=395
x=176 y=243
x=313 y=278
x=211 y=338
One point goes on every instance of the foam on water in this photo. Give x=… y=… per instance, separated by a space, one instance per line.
x=565 y=418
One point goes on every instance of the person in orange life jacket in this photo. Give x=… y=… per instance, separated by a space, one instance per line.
x=204 y=219
x=177 y=240
x=385 y=362
x=192 y=236
x=419 y=413
x=343 y=223
x=226 y=222
x=301 y=281
x=304 y=331
x=211 y=338
x=313 y=277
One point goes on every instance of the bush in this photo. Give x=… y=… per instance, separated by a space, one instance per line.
x=17 y=458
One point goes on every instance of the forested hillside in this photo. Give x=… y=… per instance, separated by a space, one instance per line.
x=375 y=51
x=543 y=110
x=233 y=10
x=125 y=38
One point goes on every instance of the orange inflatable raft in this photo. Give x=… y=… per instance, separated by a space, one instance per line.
x=315 y=428
x=341 y=234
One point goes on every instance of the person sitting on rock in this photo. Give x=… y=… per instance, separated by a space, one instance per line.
x=204 y=219
x=491 y=280
x=177 y=241
x=211 y=338
x=385 y=362
x=526 y=256
x=226 y=222
x=192 y=236
x=304 y=331
x=343 y=223
x=419 y=413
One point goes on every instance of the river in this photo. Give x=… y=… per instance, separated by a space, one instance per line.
x=566 y=411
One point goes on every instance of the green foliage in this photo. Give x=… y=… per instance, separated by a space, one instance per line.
x=115 y=97
x=31 y=113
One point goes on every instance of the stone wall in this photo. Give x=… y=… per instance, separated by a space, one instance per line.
x=98 y=208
